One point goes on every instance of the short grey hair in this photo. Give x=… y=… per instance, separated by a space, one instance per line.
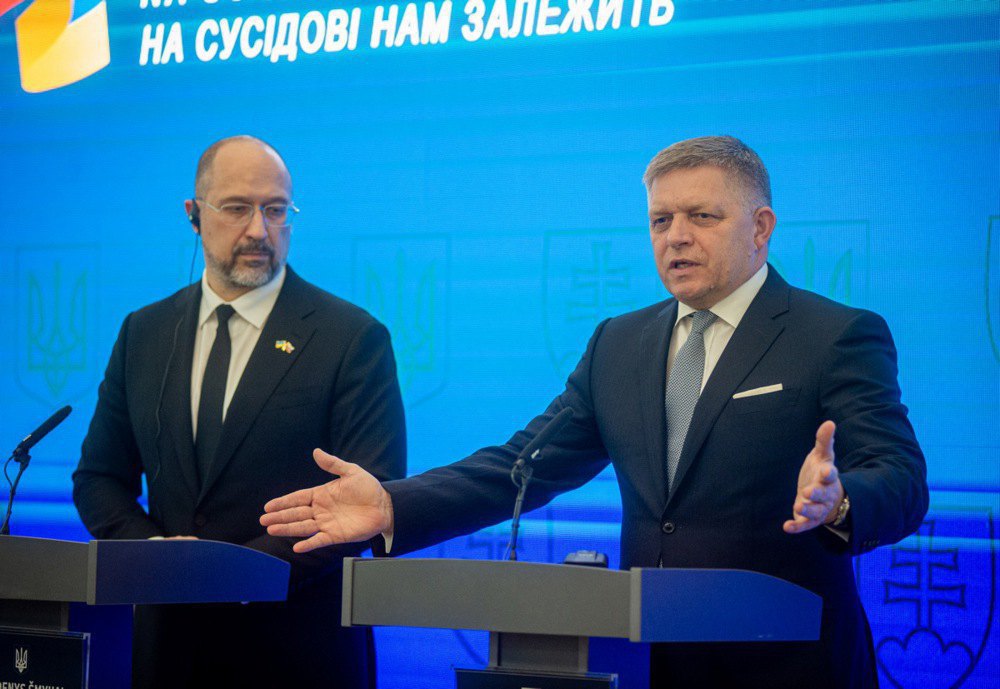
x=203 y=174
x=726 y=152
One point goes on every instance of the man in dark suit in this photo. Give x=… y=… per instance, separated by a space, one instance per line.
x=217 y=394
x=722 y=410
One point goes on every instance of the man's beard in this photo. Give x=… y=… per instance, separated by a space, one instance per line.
x=236 y=274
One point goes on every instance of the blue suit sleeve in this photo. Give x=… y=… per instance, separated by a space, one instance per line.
x=882 y=467
x=477 y=492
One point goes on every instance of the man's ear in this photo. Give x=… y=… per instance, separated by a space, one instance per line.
x=764 y=221
x=193 y=214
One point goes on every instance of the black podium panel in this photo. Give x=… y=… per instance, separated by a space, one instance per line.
x=509 y=679
x=51 y=591
x=46 y=659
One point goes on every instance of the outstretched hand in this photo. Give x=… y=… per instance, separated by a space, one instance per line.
x=820 y=491
x=349 y=509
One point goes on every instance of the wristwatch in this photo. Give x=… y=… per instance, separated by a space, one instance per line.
x=842 y=510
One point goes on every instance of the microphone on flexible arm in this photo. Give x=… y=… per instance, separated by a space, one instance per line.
x=522 y=470
x=30 y=440
x=21 y=456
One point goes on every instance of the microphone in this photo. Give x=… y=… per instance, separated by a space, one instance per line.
x=32 y=438
x=21 y=456
x=532 y=449
x=522 y=470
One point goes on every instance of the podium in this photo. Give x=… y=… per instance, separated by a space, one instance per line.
x=541 y=617
x=67 y=601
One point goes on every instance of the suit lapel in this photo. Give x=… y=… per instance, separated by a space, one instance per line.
x=175 y=408
x=757 y=330
x=652 y=386
x=265 y=370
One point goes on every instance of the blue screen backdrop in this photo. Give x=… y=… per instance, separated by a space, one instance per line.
x=483 y=199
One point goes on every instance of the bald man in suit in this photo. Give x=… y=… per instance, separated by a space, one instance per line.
x=217 y=394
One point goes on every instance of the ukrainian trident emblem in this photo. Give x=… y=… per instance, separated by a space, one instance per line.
x=409 y=292
x=830 y=258
x=56 y=322
x=20 y=659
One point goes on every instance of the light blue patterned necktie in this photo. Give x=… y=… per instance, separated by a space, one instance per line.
x=684 y=388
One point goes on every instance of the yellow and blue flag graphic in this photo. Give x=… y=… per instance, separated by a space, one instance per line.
x=53 y=49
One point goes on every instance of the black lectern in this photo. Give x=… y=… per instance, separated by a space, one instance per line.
x=541 y=617
x=65 y=607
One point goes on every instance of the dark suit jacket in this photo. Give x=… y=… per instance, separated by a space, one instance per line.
x=337 y=390
x=738 y=471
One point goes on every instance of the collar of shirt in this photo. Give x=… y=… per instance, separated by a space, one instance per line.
x=732 y=309
x=254 y=307
x=729 y=312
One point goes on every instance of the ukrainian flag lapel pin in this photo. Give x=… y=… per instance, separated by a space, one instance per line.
x=285 y=346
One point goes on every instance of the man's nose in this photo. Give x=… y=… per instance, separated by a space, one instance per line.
x=679 y=233
x=256 y=227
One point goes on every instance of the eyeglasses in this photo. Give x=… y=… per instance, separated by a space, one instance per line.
x=237 y=214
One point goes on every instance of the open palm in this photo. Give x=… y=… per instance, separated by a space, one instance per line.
x=351 y=508
x=819 y=489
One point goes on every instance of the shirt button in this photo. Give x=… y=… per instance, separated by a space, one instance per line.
x=668 y=527
x=200 y=520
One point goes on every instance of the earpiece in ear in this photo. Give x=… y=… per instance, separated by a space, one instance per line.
x=194 y=217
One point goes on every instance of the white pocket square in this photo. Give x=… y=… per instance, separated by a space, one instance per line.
x=777 y=387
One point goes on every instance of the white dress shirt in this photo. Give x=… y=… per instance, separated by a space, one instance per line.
x=729 y=312
x=245 y=326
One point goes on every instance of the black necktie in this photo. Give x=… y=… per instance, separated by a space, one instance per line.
x=213 y=393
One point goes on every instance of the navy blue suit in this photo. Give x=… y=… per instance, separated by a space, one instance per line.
x=738 y=471
x=336 y=390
